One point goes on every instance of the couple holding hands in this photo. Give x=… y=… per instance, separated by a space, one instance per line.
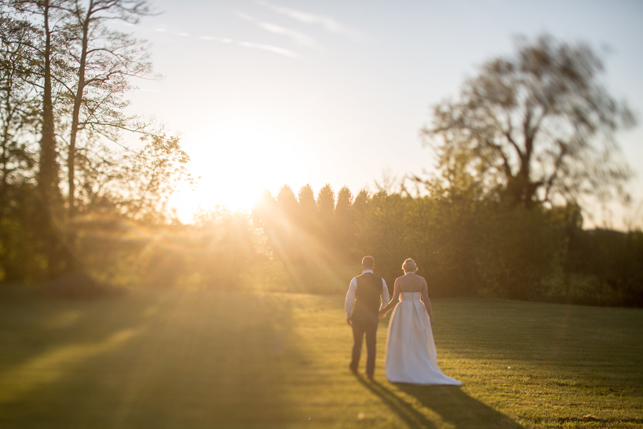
x=410 y=351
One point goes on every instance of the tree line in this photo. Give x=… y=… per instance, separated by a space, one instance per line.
x=463 y=247
x=313 y=242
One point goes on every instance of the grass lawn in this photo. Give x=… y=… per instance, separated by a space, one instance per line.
x=231 y=360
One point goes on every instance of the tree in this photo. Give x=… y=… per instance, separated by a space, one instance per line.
x=344 y=224
x=288 y=203
x=380 y=232
x=45 y=16
x=43 y=47
x=537 y=127
x=344 y=202
x=360 y=203
x=48 y=180
x=285 y=238
x=17 y=105
x=135 y=183
x=102 y=61
x=308 y=214
x=19 y=240
x=326 y=210
x=326 y=201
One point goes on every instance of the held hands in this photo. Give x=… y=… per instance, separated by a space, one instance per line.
x=383 y=314
x=349 y=321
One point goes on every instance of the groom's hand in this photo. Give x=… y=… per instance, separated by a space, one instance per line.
x=349 y=321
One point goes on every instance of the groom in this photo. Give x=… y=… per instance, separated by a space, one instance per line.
x=362 y=312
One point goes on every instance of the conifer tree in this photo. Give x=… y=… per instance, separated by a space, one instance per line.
x=308 y=214
x=344 y=223
x=326 y=210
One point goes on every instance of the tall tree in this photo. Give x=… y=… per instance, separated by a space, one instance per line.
x=288 y=202
x=47 y=18
x=326 y=210
x=326 y=201
x=49 y=179
x=344 y=201
x=308 y=215
x=19 y=240
x=361 y=201
x=103 y=60
x=17 y=103
x=344 y=223
x=286 y=233
x=536 y=127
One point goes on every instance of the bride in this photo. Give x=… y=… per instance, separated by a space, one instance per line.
x=410 y=352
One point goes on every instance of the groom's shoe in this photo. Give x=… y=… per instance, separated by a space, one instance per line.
x=369 y=376
x=353 y=369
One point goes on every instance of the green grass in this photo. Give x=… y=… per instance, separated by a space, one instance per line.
x=233 y=360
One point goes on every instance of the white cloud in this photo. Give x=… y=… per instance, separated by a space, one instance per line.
x=299 y=38
x=327 y=23
x=216 y=39
x=271 y=48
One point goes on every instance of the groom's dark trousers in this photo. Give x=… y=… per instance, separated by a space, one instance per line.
x=365 y=319
x=364 y=325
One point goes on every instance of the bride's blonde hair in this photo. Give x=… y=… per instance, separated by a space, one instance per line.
x=409 y=265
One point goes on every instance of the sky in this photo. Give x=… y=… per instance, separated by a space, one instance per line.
x=271 y=92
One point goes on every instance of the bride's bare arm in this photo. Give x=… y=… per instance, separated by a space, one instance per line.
x=427 y=301
x=393 y=301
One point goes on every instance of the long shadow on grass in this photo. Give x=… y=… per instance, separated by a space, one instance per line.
x=411 y=416
x=456 y=407
x=450 y=402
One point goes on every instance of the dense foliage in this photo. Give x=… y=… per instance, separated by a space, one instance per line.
x=463 y=247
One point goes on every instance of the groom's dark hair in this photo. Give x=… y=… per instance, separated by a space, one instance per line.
x=368 y=262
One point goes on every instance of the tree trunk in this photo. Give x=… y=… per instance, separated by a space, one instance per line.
x=71 y=157
x=58 y=256
x=5 y=168
x=48 y=180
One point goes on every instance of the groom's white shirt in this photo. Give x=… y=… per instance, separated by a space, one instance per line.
x=350 y=296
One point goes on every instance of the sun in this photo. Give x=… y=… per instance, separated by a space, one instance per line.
x=235 y=163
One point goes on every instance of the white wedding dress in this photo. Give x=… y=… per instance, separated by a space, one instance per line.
x=410 y=351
